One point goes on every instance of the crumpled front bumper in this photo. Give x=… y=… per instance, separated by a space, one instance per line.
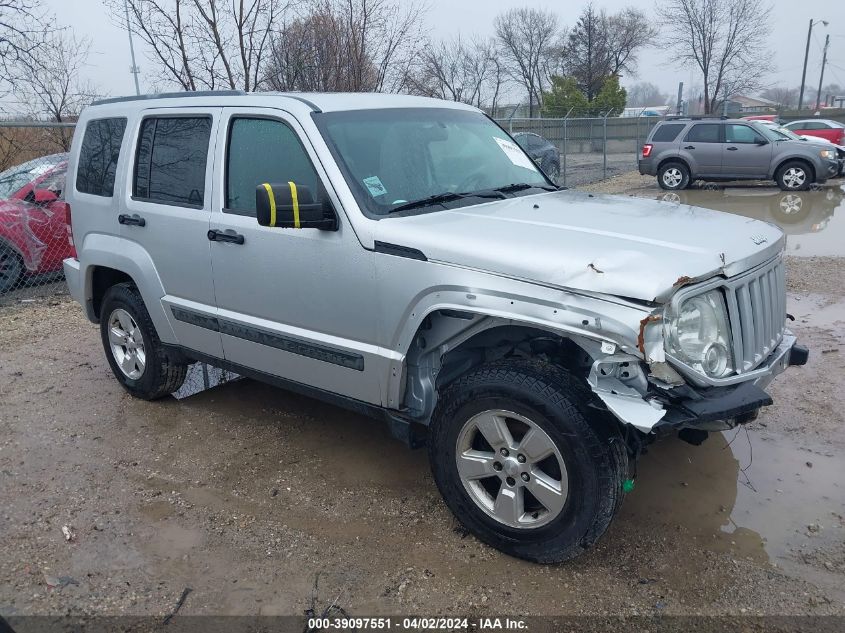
x=705 y=409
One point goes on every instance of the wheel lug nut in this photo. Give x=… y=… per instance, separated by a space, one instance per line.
x=504 y=452
x=511 y=481
x=497 y=466
x=520 y=458
x=525 y=477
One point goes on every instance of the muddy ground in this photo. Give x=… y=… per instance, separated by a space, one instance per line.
x=246 y=493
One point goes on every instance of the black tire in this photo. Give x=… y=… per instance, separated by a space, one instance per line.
x=594 y=455
x=11 y=268
x=673 y=176
x=161 y=375
x=787 y=176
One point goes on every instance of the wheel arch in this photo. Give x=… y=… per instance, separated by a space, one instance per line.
x=109 y=259
x=448 y=343
x=674 y=159
x=795 y=159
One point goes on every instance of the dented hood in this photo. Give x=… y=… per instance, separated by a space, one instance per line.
x=624 y=246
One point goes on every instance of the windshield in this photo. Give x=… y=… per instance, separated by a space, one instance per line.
x=776 y=132
x=401 y=157
x=18 y=176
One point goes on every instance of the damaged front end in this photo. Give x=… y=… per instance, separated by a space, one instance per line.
x=704 y=358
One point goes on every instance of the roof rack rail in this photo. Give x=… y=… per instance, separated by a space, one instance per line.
x=172 y=95
x=696 y=117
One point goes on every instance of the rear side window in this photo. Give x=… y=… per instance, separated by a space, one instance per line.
x=667 y=133
x=171 y=159
x=704 y=133
x=263 y=150
x=98 y=156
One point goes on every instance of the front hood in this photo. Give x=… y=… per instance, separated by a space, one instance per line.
x=625 y=246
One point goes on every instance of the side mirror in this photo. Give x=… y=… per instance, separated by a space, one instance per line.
x=45 y=196
x=292 y=206
x=761 y=141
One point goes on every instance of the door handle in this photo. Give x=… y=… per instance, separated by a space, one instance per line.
x=131 y=220
x=732 y=149
x=690 y=147
x=225 y=236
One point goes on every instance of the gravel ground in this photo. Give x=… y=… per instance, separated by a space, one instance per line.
x=247 y=493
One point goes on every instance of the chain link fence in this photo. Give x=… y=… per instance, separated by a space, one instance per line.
x=587 y=149
x=34 y=236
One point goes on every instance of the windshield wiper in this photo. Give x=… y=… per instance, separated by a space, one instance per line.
x=521 y=186
x=446 y=196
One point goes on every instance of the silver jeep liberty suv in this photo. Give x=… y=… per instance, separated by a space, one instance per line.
x=404 y=258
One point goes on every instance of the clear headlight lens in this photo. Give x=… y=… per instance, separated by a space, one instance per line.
x=699 y=335
x=827 y=153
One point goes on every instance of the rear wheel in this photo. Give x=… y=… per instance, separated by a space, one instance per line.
x=524 y=463
x=136 y=356
x=673 y=176
x=794 y=176
x=11 y=268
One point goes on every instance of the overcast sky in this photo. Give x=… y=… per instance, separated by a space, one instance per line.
x=109 y=62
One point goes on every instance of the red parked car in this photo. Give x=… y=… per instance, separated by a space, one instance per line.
x=833 y=131
x=33 y=220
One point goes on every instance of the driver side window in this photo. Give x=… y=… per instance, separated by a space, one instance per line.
x=263 y=151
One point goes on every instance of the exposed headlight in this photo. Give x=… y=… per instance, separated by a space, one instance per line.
x=828 y=154
x=699 y=335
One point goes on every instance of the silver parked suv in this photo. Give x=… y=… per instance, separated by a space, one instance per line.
x=404 y=258
x=679 y=151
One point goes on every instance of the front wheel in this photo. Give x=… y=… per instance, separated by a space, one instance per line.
x=673 y=176
x=794 y=176
x=524 y=463
x=136 y=356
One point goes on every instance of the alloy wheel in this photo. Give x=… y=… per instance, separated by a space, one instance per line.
x=511 y=469
x=794 y=177
x=127 y=344
x=672 y=177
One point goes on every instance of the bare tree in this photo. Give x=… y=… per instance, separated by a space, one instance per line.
x=458 y=71
x=22 y=31
x=52 y=85
x=643 y=94
x=527 y=44
x=347 y=45
x=724 y=39
x=602 y=45
x=205 y=44
x=784 y=97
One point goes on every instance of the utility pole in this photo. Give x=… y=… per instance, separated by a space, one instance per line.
x=806 y=55
x=821 y=76
x=680 y=98
x=134 y=69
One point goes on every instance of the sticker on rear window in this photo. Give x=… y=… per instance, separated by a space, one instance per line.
x=514 y=154
x=375 y=186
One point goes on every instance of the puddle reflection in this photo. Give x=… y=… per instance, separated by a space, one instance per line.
x=814 y=221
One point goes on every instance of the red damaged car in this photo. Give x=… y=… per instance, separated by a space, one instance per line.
x=33 y=220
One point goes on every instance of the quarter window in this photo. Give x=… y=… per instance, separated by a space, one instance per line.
x=171 y=160
x=667 y=133
x=704 y=133
x=263 y=151
x=98 y=156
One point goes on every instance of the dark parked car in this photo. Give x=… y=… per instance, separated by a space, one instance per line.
x=542 y=151
x=33 y=220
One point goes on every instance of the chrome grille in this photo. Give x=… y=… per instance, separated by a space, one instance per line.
x=757 y=308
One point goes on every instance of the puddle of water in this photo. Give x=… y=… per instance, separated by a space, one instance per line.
x=748 y=495
x=816 y=310
x=814 y=221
